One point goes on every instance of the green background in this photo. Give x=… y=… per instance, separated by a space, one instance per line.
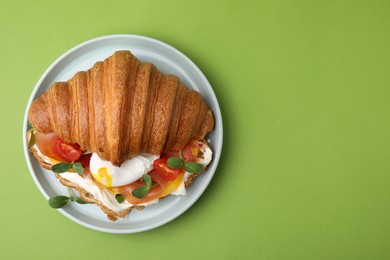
x=304 y=89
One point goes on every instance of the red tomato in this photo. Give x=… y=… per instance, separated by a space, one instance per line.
x=70 y=152
x=161 y=167
x=54 y=147
x=158 y=179
x=84 y=160
x=156 y=192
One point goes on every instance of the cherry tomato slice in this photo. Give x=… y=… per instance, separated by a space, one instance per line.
x=67 y=151
x=85 y=160
x=54 y=147
x=162 y=169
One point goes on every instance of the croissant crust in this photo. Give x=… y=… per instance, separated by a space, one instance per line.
x=122 y=107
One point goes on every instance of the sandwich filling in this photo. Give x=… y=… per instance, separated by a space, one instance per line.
x=105 y=181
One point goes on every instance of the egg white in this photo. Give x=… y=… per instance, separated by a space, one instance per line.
x=129 y=171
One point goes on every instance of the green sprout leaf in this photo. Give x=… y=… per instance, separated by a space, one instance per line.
x=148 y=180
x=178 y=162
x=66 y=166
x=141 y=192
x=31 y=142
x=77 y=167
x=175 y=162
x=193 y=167
x=80 y=201
x=119 y=198
x=61 y=167
x=58 y=201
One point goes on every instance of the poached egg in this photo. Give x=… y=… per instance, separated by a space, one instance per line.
x=130 y=171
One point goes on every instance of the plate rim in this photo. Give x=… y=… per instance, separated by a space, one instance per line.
x=217 y=115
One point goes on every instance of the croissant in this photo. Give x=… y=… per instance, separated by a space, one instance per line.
x=122 y=107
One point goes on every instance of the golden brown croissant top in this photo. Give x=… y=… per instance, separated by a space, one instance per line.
x=122 y=107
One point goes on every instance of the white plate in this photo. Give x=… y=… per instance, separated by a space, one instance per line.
x=168 y=60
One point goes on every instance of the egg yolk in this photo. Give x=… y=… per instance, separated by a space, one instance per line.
x=103 y=176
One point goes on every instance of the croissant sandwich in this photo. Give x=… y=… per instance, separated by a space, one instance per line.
x=122 y=134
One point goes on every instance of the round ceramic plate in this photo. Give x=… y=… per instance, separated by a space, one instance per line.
x=168 y=60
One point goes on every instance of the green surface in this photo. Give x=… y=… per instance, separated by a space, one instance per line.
x=304 y=89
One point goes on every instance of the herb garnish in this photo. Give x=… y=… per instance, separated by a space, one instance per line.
x=178 y=162
x=31 y=142
x=193 y=167
x=66 y=166
x=60 y=201
x=119 y=198
x=142 y=191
